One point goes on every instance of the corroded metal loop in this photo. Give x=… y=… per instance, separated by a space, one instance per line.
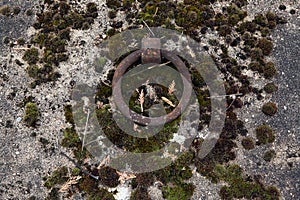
x=138 y=118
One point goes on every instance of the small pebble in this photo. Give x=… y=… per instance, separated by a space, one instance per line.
x=19 y=119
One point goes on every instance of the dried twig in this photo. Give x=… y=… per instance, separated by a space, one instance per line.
x=155 y=12
x=148 y=28
x=125 y=176
x=104 y=162
x=21 y=48
x=85 y=129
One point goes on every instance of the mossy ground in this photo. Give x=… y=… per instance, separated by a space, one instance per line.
x=189 y=17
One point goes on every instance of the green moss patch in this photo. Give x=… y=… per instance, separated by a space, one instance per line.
x=58 y=177
x=240 y=187
x=265 y=134
x=269 y=108
x=31 y=114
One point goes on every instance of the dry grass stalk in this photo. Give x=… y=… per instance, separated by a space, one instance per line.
x=171 y=87
x=142 y=100
x=168 y=101
x=73 y=180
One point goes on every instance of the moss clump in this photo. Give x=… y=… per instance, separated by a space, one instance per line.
x=59 y=176
x=72 y=140
x=248 y=143
x=183 y=191
x=269 y=155
x=31 y=56
x=33 y=71
x=270 y=88
x=264 y=134
x=269 y=109
x=16 y=10
x=53 y=194
x=68 y=114
x=101 y=194
x=109 y=177
x=269 y=70
x=31 y=114
x=5 y=10
x=265 y=45
x=256 y=54
x=239 y=187
x=140 y=193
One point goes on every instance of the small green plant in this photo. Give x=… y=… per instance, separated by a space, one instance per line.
x=265 y=134
x=31 y=114
x=269 y=108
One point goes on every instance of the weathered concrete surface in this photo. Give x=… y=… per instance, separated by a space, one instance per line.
x=24 y=160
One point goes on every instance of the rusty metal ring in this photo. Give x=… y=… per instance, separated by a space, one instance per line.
x=138 y=118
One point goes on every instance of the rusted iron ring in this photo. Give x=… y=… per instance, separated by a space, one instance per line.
x=138 y=118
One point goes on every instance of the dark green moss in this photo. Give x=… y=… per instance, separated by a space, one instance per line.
x=53 y=194
x=16 y=10
x=101 y=194
x=71 y=138
x=31 y=56
x=239 y=187
x=68 y=114
x=21 y=41
x=140 y=193
x=270 y=88
x=248 y=143
x=33 y=71
x=109 y=177
x=265 y=31
x=269 y=108
x=264 y=134
x=182 y=191
x=256 y=54
x=91 y=7
x=261 y=20
x=256 y=66
x=265 y=45
x=29 y=12
x=5 y=10
x=269 y=155
x=269 y=70
x=88 y=185
x=59 y=176
x=31 y=114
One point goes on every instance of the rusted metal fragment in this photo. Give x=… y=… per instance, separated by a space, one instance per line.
x=151 y=50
